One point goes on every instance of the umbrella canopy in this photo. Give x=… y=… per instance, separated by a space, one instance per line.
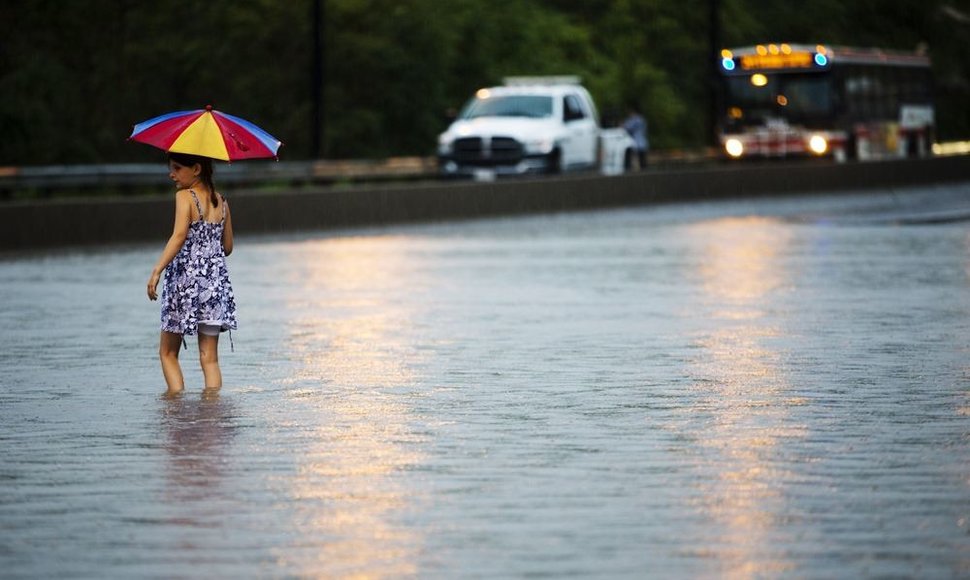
x=207 y=133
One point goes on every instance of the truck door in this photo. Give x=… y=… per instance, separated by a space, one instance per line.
x=580 y=146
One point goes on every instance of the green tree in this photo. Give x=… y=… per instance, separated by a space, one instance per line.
x=76 y=74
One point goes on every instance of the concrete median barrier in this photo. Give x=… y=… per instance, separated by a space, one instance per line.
x=60 y=223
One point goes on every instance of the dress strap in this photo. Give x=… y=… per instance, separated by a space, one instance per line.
x=223 y=206
x=198 y=205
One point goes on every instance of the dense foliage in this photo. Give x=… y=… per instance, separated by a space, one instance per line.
x=75 y=74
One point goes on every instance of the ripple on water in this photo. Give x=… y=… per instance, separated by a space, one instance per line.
x=760 y=388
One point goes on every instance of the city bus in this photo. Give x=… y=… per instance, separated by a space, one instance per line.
x=786 y=100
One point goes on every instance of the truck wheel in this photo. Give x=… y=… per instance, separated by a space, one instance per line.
x=555 y=162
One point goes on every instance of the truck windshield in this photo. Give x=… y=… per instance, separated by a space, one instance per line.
x=508 y=106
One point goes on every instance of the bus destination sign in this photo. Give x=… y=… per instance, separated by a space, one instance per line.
x=777 y=61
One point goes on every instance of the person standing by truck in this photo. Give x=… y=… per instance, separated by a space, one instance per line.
x=636 y=126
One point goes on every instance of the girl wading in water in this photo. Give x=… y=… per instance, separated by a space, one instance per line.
x=197 y=296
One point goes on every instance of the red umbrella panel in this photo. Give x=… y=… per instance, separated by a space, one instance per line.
x=207 y=133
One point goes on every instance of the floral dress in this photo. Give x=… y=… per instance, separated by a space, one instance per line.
x=197 y=288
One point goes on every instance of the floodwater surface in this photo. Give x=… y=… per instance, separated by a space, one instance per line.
x=725 y=390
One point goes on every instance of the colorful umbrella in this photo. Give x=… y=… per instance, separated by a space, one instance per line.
x=207 y=133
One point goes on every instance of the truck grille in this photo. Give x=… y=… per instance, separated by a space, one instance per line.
x=487 y=152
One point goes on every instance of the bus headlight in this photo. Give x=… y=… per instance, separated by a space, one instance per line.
x=734 y=147
x=818 y=144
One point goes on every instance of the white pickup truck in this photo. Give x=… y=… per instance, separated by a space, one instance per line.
x=531 y=125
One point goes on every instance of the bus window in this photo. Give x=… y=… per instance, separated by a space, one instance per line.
x=909 y=89
x=753 y=104
x=884 y=99
x=858 y=88
x=794 y=97
x=807 y=96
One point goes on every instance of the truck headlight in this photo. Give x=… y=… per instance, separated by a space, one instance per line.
x=734 y=147
x=542 y=146
x=445 y=144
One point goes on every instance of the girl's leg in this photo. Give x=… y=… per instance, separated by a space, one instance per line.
x=168 y=353
x=209 y=358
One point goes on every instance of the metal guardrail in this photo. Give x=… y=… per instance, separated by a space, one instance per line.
x=290 y=173
x=251 y=172
x=319 y=172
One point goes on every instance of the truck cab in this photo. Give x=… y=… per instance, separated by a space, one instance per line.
x=528 y=125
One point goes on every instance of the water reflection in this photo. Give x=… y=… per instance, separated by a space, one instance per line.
x=742 y=391
x=199 y=433
x=964 y=408
x=354 y=374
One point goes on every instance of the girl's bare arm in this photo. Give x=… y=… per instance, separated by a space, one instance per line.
x=227 y=231
x=183 y=216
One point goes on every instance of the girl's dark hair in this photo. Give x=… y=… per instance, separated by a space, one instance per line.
x=205 y=163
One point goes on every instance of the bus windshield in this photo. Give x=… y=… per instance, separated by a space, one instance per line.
x=508 y=106
x=791 y=97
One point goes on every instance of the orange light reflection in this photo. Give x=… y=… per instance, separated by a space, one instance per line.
x=742 y=384
x=349 y=336
x=964 y=409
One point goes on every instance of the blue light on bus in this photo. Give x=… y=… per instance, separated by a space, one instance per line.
x=727 y=63
x=821 y=59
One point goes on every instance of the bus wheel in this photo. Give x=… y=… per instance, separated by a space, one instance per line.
x=927 y=145
x=912 y=146
x=852 y=148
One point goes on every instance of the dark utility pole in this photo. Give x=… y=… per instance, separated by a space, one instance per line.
x=713 y=79
x=316 y=76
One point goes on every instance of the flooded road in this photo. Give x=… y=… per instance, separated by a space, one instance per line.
x=726 y=390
